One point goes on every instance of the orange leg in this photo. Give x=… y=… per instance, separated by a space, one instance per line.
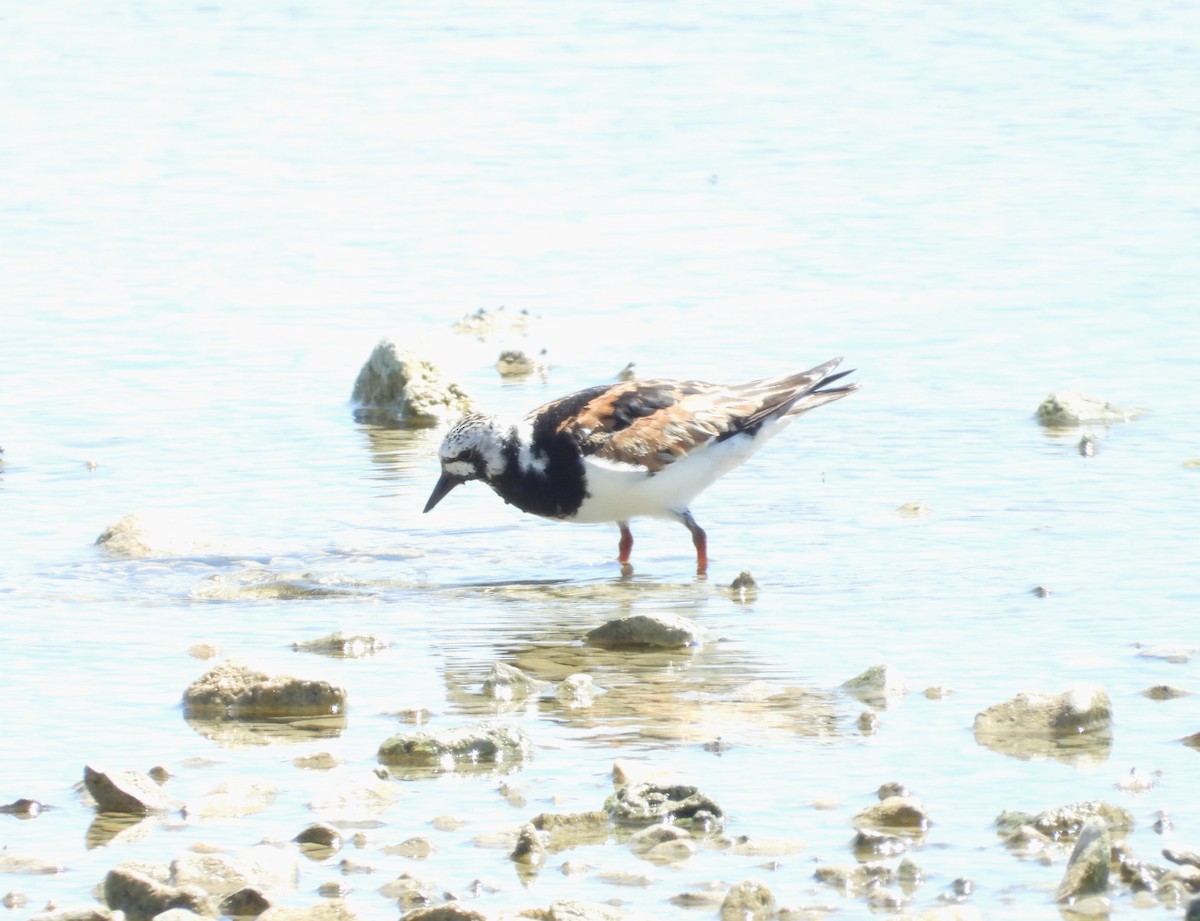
x=699 y=538
x=626 y=543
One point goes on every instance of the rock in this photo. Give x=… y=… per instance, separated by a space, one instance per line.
x=1193 y=911
x=141 y=890
x=648 y=803
x=665 y=631
x=577 y=691
x=98 y=914
x=245 y=901
x=1164 y=692
x=23 y=808
x=30 y=866
x=130 y=792
x=903 y=814
x=854 y=879
x=654 y=835
x=1040 y=725
x=566 y=910
x=529 y=849
x=237 y=691
x=319 y=840
x=879 y=685
x=1064 y=823
x=1088 y=446
x=743 y=587
x=397 y=386
x=343 y=645
x=126 y=537
x=412 y=848
x=566 y=830
x=748 y=901
x=487 y=323
x=516 y=363
x=913 y=510
x=1183 y=858
x=869 y=844
x=506 y=682
x=451 y=911
x=355 y=800
x=1069 y=408
x=1087 y=870
x=487 y=744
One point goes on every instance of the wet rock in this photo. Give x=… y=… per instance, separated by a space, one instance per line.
x=128 y=791
x=319 y=840
x=1069 y=408
x=577 y=691
x=1087 y=870
x=1088 y=446
x=565 y=830
x=743 y=587
x=245 y=901
x=937 y=692
x=529 y=850
x=1047 y=725
x=1186 y=876
x=23 y=808
x=126 y=537
x=396 y=386
x=890 y=789
x=855 y=879
x=14 y=900
x=1192 y=741
x=647 y=840
x=1193 y=911
x=1041 y=591
x=235 y=690
x=566 y=910
x=913 y=510
x=1164 y=692
x=506 y=682
x=664 y=631
x=412 y=848
x=321 y=761
x=1064 y=823
x=899 y=814
x=143 y=891
x=343 y=645
x=868 y=723
x=410 y=891
x=1184 y=858
x=879 y=686
x=518 y=363
x=487 y=744
x=22 y=864
x=648 y=803
x=869 y=844
x=748 y=901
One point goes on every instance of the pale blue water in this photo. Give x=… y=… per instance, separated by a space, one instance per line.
x=210 y=214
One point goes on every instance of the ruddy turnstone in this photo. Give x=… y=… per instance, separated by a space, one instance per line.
x=635 y=448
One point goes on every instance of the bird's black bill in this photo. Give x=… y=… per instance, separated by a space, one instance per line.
x=445 y=483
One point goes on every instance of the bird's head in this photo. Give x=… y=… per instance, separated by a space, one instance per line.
x=470 y=451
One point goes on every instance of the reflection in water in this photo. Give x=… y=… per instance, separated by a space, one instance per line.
x=235 y=733
x=398 y=452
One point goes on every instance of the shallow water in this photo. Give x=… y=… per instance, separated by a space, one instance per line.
x=215 y=212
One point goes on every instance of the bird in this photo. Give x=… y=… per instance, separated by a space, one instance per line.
x=636 y=448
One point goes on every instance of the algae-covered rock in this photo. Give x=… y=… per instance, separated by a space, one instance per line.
x=482 y=745
x=1069 y=408
x=127 y=791
x=399 y=387
x=1063 y=823
x=663 y=631
x=237 y=691
x=647 y=803
x=880 y=685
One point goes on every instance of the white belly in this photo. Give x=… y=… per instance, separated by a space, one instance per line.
x=618 y=492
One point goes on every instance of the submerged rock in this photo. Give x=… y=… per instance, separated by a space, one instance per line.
x=577 y=691
x=1087 y=870
x=880 y=685
x=506 y=682
x=342 y=645
x=397 y=386
x=648 y=803
x=665 y=631
x=1064 y=823
x=127 y=791
x=1069 y=408
x=1040 y=725
x=237 y=691
x=486 y=744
